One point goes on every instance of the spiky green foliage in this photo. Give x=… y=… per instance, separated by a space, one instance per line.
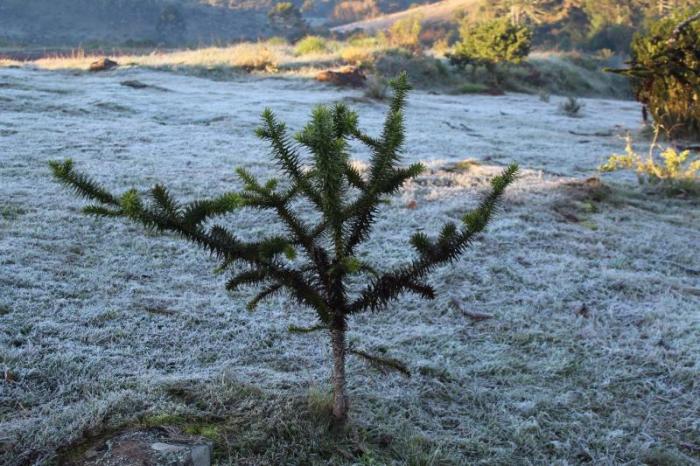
x=316 y=263
x=665 y=71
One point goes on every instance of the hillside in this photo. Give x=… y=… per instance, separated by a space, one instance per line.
x=431 y=13
x=141 y=22
x=86 y=22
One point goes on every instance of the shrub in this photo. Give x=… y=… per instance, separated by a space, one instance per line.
x=286 y=19
x=317 y=264
x=171 y=25
x=277 y=41
x=492 y=42
x=311 y=44
x=405 y=33
x=254 y=56
x=377 y=87
x=672 y=170
x=357 y=55
x=363 y=40
x=423 y=70
x=472 y=88
x=614 y=37
x=353 y=10
x=571 y=107
x=664 y=71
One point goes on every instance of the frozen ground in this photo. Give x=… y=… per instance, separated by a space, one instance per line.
x=592 y=354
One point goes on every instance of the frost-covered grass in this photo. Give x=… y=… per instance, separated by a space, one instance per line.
x=592 y=354
x=551 y=72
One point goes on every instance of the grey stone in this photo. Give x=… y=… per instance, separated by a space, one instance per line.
x=201 y=455
x=167 y=447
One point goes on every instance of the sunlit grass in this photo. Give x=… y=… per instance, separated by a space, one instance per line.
x=553 y=72
x=250 y=56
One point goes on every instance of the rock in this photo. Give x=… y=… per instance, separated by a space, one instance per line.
x=345 y=76
x=590 y=189
x=167 y=448
x=157 y=446
x=103 y=64
x=201 y=455
x=134 y=84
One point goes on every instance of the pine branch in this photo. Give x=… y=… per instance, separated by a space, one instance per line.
x=384 y=179
x=449 y=246
x=325 y=138
x=382 y=364
x=100 y=211
x=264 y=294
x=81 y=184
x=355 y=178
x=289 y=161
x=249 y=277
x=199 y=211
x=163 y=200
x=303 y=330
x=217 y=240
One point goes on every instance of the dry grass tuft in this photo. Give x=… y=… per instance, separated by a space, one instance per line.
x=257 y=56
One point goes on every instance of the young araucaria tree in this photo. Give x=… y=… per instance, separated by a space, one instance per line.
x=315 y=263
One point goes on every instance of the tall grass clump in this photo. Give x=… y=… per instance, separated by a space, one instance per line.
x=312 y=45
x=571 y=107
x=357 y=55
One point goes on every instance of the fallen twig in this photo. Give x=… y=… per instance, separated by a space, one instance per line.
x=475 y=316
x=600 y=134
x=382 y=364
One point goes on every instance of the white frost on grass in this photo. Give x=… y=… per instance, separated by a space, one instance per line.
x=96 y=316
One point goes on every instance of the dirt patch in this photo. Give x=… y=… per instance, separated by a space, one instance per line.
x=149 y=447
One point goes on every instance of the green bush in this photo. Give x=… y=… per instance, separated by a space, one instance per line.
x=405 y=33
x=424 y=71
x=311 y=44
x=287 y=20
x=492 y=42
x=664 y=71
x=614 y=37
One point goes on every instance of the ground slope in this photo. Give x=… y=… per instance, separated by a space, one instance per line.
x=592 y=354
x=433 y=13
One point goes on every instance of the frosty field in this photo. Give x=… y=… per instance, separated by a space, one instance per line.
x=592 y=354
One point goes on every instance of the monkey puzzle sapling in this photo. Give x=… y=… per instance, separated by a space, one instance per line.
x=316 y=263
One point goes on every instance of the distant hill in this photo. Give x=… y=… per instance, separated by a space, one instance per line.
x=84 y=22
x=141 y=22
x=432 y=13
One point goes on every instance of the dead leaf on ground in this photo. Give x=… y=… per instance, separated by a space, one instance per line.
x=582 y=311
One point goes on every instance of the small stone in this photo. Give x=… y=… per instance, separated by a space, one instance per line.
x=201 y=455
x=166 y=447
x=345 y=76
x=103 y=64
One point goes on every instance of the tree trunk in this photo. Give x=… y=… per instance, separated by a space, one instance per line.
x=340 y=397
